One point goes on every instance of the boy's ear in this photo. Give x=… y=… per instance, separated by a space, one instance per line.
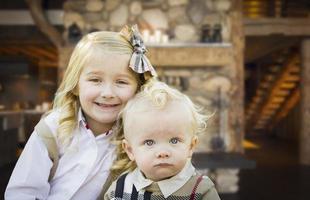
x=193 y=145
x=126 y=146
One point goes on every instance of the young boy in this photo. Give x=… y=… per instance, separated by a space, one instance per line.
x=160 y=125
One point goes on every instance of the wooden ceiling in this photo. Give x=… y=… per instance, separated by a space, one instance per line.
x=42 y=56
x=27 y=41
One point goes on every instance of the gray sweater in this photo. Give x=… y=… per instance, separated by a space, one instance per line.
x=205 y=190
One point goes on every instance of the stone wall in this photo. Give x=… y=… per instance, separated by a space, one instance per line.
x=199 y=59
x=181 y=20
x=209 y=88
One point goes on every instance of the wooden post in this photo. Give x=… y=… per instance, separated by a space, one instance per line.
x=40 y=19
x=238 y=40
x=305 y=104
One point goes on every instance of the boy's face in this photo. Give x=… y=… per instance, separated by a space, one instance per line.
x=105 y=85
x=160 y=141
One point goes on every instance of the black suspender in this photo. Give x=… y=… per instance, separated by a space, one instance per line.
x=119 y=191
x=120 y=186
x=147 y=195
x=134 y=193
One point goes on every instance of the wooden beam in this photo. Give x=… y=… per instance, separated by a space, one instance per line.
x=282 y=26
x=23 y=17
x=14 y=51
x=258 y=47
x=191 y=55
x=43 y=24
x=7 y=51
x=42 y=52
x=34 y=53
x=48 y=64
x=23 y=51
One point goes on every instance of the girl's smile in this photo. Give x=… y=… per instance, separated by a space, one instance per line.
x=105 y=85
x=108 y=107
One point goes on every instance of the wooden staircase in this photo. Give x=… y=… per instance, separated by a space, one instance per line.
x=278 y=92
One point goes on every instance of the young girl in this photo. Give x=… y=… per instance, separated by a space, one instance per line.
x=159 y=127
x=105 y=70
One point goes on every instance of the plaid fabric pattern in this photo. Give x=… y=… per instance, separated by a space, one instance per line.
x=127 y=196
x=204 y=191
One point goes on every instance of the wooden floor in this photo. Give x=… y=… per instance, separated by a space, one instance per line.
x=277 y=175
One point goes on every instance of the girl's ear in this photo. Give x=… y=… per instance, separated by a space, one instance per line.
x=193 y=145
x=126 y=146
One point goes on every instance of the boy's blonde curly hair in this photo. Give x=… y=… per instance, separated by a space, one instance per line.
x=158 y=94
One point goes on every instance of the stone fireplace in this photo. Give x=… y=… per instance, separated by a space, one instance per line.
x=201 y=56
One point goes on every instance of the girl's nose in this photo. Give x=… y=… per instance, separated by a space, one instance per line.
x=107 y=91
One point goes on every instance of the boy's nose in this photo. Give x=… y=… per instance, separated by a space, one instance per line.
x=163 y=154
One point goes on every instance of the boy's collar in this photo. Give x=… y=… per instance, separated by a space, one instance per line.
x=166 y=187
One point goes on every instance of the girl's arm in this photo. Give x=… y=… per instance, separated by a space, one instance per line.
x=29 y=179
x=108 y=193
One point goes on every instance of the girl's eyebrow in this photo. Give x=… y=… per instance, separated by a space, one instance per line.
x=93 y=73
x=122 y=75
x=127 y=76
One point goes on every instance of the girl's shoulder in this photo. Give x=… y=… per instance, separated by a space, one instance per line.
x=52 y=121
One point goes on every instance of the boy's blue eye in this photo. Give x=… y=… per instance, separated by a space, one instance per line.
x=174 y=140
x=149 y=142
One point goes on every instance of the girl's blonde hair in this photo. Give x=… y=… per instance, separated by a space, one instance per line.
x=158 y=95
x=66 y=100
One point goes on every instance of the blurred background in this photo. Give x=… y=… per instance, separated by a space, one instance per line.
x=246 y=62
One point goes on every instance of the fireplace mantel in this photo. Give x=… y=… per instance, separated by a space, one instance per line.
x=190 y=54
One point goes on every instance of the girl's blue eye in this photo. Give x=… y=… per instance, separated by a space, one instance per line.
x=174 y=140
x=149 y=142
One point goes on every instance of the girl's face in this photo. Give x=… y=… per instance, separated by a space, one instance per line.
x=159 y=141
x=105 y=85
